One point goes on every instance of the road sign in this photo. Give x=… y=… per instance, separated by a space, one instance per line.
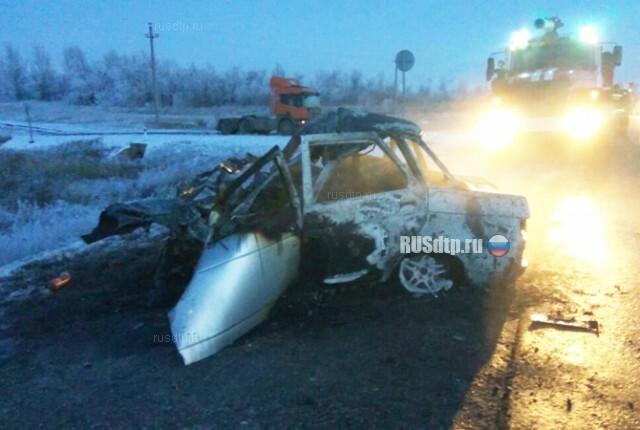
x=405 y=60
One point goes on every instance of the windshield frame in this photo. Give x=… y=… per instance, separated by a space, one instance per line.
x=547 y=55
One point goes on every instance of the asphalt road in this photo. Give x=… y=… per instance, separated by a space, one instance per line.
x=583 y=247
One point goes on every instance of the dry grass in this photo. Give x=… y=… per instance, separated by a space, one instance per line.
x=43 y=177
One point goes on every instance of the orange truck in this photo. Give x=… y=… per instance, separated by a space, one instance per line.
x=292 y=106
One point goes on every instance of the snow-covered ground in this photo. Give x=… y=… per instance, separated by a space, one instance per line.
x=168 y=161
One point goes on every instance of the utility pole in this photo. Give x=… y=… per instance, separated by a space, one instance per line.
x=152 y=36
x=26 y=109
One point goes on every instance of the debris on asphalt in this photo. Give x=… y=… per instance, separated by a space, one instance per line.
x=60 y=281
x=571 y=324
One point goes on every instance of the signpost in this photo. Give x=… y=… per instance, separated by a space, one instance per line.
x=404 y=62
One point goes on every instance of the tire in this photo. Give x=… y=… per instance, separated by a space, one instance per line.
x=245 y=127
x=286 y=127
x=225 y=127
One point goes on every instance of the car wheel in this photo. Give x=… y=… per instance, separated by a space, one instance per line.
x=244 y=126
x=423 y=274
x=285 y=127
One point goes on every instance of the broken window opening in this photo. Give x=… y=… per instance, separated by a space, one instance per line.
x=431 y=169
x=355 y=171
x=262 y=194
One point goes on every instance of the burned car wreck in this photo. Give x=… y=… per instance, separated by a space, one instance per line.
x=337 y=199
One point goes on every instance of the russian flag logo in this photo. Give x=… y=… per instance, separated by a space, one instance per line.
x=498 y=245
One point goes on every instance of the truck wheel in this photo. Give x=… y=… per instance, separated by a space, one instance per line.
x=225 y=127
x=244 y=126
x=285 y=127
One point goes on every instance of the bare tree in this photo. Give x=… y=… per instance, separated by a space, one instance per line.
x=43 y=78
x=356 y=87
x=14 y=75
x=77 y=77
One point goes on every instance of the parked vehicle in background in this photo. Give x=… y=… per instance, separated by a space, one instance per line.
x=292 y=106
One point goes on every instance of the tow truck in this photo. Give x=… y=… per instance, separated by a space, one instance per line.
x=554 y=85
x=292 y=106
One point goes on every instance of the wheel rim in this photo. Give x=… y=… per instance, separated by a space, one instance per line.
x=422 y=274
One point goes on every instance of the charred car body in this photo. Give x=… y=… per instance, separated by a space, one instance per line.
x=338 y=199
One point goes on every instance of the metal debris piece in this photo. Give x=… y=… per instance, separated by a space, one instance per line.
x=60 y=281
x=135 y=151
x=544 y=321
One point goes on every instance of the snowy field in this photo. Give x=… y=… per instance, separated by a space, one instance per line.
x=51 y=196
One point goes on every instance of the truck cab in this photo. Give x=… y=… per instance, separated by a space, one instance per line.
x=292 y=103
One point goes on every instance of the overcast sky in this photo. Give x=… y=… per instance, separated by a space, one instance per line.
x=448 y=38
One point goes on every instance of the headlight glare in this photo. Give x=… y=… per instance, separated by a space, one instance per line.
x=497 y=129
x=583 y=122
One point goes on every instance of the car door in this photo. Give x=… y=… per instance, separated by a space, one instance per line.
x=240 y=276
x=359 y=198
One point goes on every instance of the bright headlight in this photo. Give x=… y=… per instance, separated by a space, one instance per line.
x=583 y=122
x=497 y=129
x=589 y=34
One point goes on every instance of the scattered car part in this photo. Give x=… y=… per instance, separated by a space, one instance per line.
x=60 y=281
x=235 y=285
x=135 y=151
x=544 y=321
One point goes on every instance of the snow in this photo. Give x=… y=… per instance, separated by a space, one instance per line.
x=168 y=160
x=207 y=143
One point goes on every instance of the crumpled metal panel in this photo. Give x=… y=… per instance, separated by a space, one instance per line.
x=347 y=120
x=235 y=285
x=470 y=214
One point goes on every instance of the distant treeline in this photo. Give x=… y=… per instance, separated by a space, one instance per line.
x=125 y=81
